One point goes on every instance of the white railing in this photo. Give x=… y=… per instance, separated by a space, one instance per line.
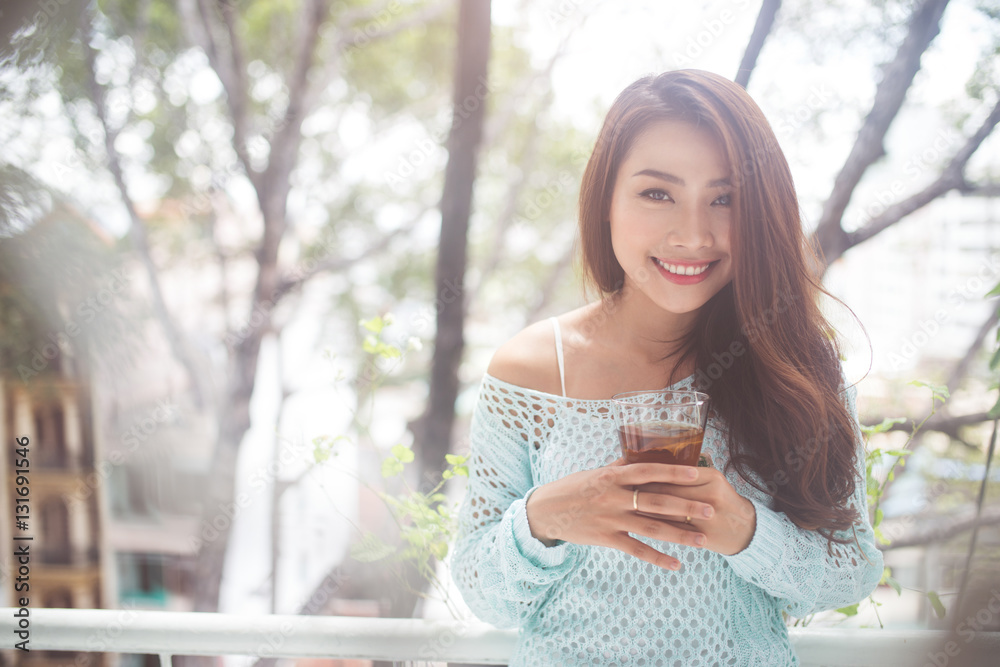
x=188 y=633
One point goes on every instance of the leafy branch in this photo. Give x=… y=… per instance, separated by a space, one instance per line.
x=876 y=492
x=427 y=522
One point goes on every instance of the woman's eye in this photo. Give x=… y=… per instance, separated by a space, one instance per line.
x=724 y=200
x=655 y=195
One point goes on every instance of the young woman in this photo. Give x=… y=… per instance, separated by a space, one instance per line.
x=690 y=232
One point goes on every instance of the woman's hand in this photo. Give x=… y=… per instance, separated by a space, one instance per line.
x=595 y=507
x=728 y=531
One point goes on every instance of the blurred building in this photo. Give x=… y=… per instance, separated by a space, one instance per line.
x=46 y=396
x=68 y=562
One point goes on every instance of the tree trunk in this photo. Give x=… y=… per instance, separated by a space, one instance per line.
x=432 y=432
x=222 y=505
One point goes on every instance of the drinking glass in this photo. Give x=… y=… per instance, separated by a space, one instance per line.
x=661 y=426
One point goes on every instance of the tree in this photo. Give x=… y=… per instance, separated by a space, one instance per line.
x=433 y=431
x=830 y=238
x=267 y=140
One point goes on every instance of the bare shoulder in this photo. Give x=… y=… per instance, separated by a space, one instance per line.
x=528 y=359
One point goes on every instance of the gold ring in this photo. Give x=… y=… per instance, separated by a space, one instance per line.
x=687 y=520
x=635 y=500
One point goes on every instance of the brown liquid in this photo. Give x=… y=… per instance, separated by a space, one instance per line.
x=661 y=442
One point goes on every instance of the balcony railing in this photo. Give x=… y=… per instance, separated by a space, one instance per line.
x=70 y=557
x=409 y=640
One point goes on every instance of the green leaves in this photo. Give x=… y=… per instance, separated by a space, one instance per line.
x=886 y=424
x=403 y=453
x=323 y=447
x=851 y=610
x=377 y=323
x=939 y=392
x=994 y=412
x=393 y=465
x=457 y=467
x=373 y=345
x=376 y=347
x=936 y=604
x=427 y=525
x=889 y=580
x=371 y=548
x=426 y=522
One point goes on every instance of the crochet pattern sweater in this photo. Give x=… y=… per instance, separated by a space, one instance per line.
x=588 y=605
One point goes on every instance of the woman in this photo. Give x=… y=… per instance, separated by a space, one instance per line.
x=690 y=232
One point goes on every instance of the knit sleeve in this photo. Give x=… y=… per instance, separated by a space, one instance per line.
x=799 y=567
x=503 y=573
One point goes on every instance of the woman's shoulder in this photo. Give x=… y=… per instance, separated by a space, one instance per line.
x=528 y=359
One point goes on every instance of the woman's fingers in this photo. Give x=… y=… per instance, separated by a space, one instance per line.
x=642 y=551
x=643 y=473
x=664 y=531
x=667 y=505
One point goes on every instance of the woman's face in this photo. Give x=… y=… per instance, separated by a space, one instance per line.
x=670 y=216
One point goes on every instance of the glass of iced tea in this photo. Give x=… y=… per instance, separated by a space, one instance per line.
x=661 y=426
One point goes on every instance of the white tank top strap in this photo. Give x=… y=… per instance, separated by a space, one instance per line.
x=559 y=354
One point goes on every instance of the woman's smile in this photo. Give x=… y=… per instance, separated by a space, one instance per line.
x=684 y=274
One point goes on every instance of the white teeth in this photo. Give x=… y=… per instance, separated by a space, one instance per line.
x=682 y=270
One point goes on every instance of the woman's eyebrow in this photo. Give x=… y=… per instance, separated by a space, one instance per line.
x=670 y=178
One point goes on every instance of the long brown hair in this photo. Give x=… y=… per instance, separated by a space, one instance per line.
x=764 y=351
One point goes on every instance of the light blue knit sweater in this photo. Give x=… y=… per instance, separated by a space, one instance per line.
x=586 y=605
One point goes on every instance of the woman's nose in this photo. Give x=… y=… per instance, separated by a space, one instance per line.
x=691 y=229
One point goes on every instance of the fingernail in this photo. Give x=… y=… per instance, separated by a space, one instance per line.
x=708 y=512
x=691 y=473
x=699 y=540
